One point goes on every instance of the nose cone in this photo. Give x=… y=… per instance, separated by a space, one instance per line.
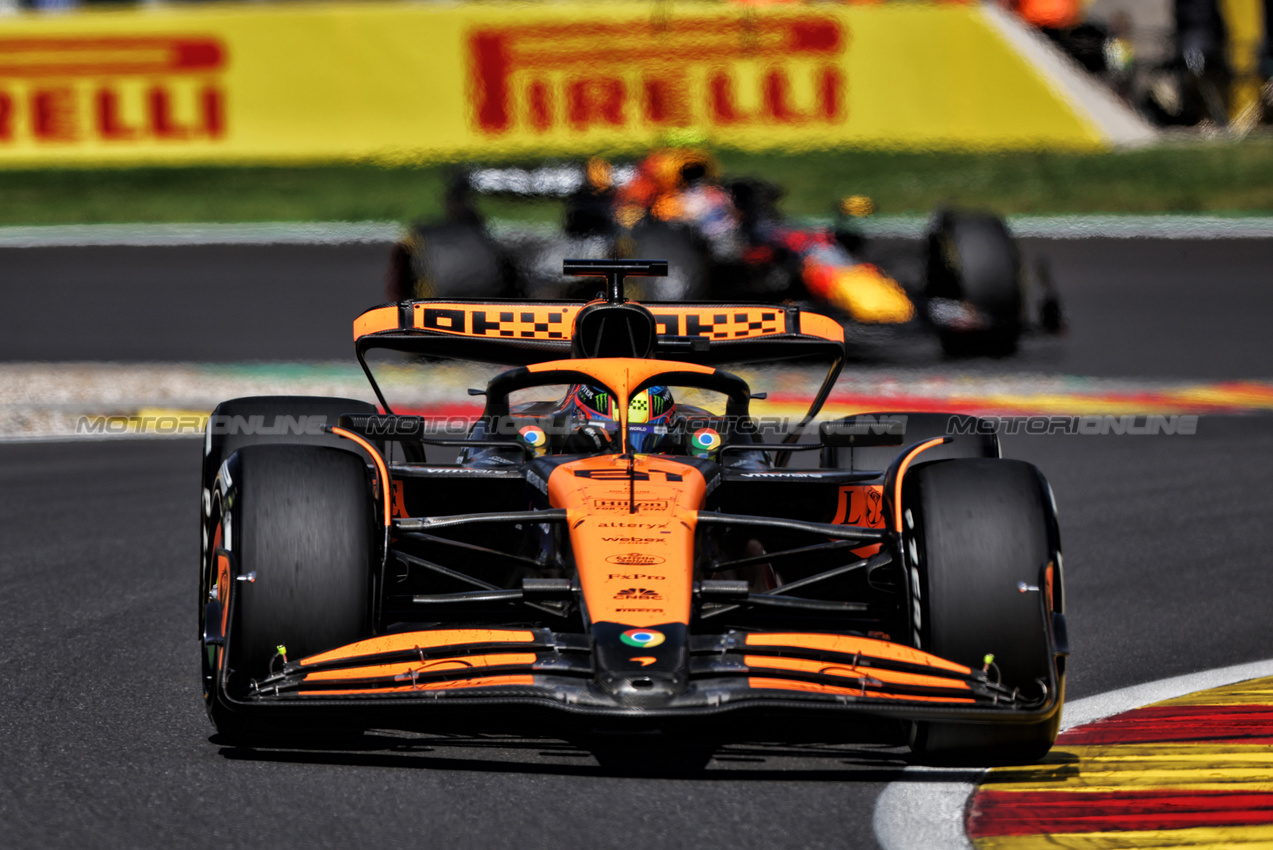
x=641 y=667
x=643 y=690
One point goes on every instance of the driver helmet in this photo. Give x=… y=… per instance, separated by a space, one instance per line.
x=650 y=412
x=673 y=169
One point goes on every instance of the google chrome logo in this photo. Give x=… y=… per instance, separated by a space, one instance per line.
x=533 y=436
x=642 y=638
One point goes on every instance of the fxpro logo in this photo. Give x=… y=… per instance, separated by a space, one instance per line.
x=116 y=90
x=658 y=72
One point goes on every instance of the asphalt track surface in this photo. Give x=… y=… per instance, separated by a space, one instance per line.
x=1150 y=308
x=105 y=742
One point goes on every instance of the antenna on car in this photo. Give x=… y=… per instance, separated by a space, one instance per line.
x=614 y=271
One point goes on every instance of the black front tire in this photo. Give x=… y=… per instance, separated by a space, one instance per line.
x=272 y=420
x=300 y=520
x=980 y=527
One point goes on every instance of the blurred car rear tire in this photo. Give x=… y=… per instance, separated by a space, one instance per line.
x=453 y=260
x=973 y=262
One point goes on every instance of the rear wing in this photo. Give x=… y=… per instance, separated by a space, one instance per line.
x=522 y=333
x=526 y=332
x=547 y=181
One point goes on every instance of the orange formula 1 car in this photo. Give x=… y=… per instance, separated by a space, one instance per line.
x=617 y=542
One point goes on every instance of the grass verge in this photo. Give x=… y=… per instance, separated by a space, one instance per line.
x=1198 y=177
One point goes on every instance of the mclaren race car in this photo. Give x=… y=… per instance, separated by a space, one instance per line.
x=726 y=240
x=616 y=541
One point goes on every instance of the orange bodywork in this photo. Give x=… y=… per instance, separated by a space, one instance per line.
x=622 y=375
x=850 y=645
x=375 y=320
x=381 y=469
x=819 y=688
x=815 y=324
x=555 y=321
x=422 y=640
x=872 y=675
x=635 y=568
x=862 y=291
x=861 y=504
x=405 y=669
x=222 y=587
x=901 y=472
x=631 y=520
x=449 y=685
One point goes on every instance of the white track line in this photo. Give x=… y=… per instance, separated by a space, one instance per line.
x=1095 y=226
x=160 y=235
x=365 y=232
x=919 y=815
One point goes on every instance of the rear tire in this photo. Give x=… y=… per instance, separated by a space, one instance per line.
x=980 y=526
x=972 y=259
x=454 y=260
x=687 y=269
x=300 y=519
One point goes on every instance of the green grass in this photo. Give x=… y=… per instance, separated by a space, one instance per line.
x=1198 y=177
x=1218 y=177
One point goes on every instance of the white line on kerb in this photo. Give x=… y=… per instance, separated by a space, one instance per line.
x=919 y=815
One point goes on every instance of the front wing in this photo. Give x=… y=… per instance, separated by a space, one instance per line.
x=509 y=667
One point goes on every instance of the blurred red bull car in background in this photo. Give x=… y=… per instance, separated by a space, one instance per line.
x=726 y=240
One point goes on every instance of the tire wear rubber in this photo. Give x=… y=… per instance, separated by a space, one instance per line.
x=971 y=257
x=981 y=526
x=302 y=522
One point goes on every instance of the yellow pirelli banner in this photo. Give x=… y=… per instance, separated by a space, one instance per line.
x=401 y=82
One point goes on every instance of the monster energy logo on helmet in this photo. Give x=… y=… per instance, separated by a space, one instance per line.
x=649 y=404
x=646 y=406
x=595 y=399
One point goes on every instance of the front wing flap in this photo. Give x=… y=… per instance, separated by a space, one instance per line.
x=728 y=671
